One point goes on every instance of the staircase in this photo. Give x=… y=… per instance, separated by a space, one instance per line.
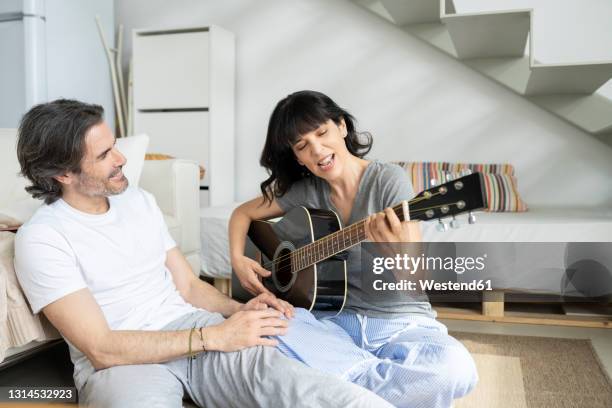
x=494 y=44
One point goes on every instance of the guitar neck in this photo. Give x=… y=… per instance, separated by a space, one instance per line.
x=454 y=197
x=335 y=243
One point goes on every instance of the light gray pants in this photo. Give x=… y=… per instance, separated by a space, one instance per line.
x=254 y=377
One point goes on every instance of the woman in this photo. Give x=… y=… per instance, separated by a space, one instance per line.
x=315 y=158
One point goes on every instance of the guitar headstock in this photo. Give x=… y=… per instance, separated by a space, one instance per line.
x=454 y=197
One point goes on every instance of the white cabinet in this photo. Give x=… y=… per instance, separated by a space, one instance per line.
x=183 y=87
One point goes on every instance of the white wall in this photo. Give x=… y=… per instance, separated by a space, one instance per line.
x=76 y=63
x=418 y=103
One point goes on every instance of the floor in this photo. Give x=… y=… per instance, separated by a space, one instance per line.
x=52 y=367
x=600 y=338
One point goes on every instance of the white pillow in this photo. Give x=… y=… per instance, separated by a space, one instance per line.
x=134 y=149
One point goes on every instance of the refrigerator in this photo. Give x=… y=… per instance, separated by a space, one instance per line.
x=51 y=49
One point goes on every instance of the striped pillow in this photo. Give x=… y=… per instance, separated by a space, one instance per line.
x=502 y=193
x=500 y=182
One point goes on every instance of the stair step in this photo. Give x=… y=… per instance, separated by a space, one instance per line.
x=589 y=112
x=493 y=43
x=526 y=78
x=435 y=34
x=605 y=133
x=486 y=35
x=406 y=12
x=511 y=72
x=583 y=78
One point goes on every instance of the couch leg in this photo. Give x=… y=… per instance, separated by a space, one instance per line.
x=224 y=286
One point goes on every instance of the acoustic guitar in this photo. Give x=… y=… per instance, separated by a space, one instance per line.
x=305 y=249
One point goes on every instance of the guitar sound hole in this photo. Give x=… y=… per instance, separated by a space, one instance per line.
x=283 y=278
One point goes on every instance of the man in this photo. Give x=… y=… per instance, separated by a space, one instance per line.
x=98 y=261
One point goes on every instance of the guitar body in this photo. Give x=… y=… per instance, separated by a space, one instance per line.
x=321 y=286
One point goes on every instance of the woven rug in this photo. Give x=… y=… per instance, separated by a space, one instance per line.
x=522 y=371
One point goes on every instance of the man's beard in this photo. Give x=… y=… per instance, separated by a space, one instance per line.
x=98 y=186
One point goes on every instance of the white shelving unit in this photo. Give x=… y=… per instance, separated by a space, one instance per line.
x=183 y=87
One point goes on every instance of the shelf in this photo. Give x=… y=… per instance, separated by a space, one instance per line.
x=487 y=35
x=586 y=78
x=522 y=313
x=413 y=12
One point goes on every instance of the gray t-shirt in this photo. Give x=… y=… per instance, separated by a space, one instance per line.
x=382 y=185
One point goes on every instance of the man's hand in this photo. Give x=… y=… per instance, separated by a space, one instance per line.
x=265 y=300
x=245 y=329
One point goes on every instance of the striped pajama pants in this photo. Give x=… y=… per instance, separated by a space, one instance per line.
x=409 y=361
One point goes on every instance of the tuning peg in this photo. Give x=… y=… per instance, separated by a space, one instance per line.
x=442 y=227
x=433 y=182
x=466 y=172
x=454 y=223
x=471 y=218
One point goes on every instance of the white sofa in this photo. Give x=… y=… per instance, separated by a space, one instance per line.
x=174 y=183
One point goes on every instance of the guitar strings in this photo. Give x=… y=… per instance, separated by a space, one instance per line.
x=292 y=265
x=350 y=229
x=356 y=225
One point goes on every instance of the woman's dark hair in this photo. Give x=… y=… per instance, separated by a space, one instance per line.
x=51 y=142
x=298 y=114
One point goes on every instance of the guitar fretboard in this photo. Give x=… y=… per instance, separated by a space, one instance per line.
x=336 y=242
x=328 y=246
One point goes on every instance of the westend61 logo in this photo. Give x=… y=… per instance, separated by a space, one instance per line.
x=413 y=264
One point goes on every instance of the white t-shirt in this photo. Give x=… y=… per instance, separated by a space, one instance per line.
x=119 y=256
